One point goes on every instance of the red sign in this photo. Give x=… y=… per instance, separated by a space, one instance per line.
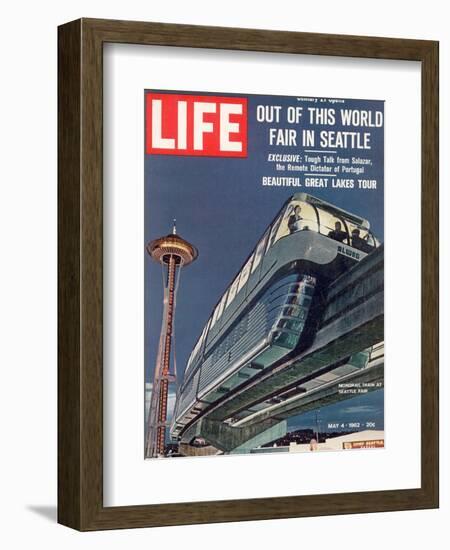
x=212 y=126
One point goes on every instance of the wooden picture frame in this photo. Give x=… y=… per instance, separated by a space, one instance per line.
x=80 y=413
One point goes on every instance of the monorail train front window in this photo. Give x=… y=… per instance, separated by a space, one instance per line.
x=333 y=226
x=360 y=238
x=298 y=216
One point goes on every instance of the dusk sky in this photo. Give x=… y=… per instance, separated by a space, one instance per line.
x=222 y=208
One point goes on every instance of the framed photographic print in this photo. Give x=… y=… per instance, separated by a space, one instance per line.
x=248 y=274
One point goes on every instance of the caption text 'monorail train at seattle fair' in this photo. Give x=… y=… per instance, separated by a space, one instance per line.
x=271 y=312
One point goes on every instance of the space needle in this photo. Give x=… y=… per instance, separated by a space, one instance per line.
x=172 y=252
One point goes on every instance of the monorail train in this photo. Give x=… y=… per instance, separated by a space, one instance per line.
x=273 y=305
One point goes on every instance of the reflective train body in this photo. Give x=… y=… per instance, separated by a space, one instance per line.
x=273 y=305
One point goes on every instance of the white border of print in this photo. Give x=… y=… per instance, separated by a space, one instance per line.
x=130 y=480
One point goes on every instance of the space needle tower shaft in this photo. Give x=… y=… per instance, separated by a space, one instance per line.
x=172 y=252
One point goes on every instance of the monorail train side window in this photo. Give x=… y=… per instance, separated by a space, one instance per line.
x=298 y=216
x=195 y=350
x=273 y=231
x=191 y=357
x=233 y=291
x=260 y=251
x=222 y=305
x=333 y=226
x=215 y=315
x=205 y=331
x=245 y=273
x=199 y=343
x=218 y=310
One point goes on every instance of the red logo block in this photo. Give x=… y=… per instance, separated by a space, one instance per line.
x=210 y=126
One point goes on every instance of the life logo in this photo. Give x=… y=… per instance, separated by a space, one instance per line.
x=197 y=125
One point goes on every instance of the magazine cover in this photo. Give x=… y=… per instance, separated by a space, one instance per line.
x=264 y=274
